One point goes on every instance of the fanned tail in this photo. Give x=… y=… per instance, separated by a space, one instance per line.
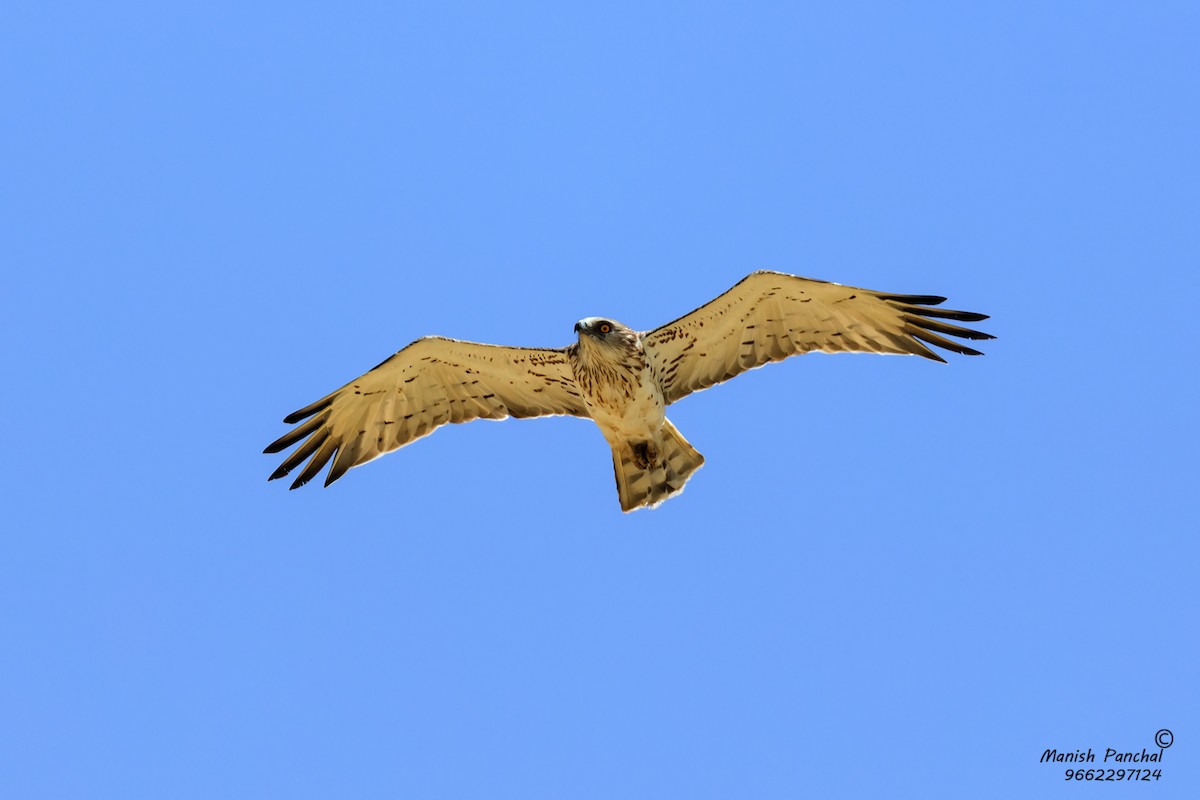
x=638 y=487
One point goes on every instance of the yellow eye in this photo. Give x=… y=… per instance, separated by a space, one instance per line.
x=605 y=327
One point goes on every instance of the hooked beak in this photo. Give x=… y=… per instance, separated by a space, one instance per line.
x=578 y=327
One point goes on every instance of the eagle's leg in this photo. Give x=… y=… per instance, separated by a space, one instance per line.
x=645 y=455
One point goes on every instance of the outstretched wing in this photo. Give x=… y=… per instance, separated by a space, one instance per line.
x=431 y=382
x=769 y=316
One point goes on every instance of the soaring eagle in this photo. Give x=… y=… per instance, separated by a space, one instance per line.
x=621 y=379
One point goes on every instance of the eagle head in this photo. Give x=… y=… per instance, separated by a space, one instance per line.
x=601 y=330
x=607 y=338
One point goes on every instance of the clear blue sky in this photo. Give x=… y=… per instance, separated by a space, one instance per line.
x=892 y=577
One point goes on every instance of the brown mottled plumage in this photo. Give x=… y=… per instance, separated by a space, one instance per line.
x=621 y=379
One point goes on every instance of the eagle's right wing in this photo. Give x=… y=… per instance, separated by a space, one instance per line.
x=431 y=382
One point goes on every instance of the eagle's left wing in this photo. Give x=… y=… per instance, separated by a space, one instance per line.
x=431 y=382
x=769 y=316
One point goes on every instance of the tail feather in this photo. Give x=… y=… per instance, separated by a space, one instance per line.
x=638 y=487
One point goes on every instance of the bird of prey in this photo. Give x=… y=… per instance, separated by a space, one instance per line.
x=619 y=378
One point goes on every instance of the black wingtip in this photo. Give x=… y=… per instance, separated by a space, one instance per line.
x=309 y=410
x=929 y=323
x=947 y=313
x=915 y=299
x=929 y=337
x=296 y=434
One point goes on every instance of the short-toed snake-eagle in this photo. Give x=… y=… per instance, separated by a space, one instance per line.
x=621 y=379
